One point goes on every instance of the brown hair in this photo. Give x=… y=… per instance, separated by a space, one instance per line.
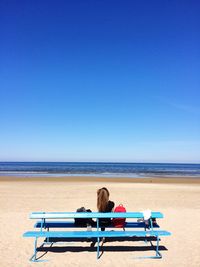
x=102 y=199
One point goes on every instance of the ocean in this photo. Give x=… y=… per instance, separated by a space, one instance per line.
x=135 y=170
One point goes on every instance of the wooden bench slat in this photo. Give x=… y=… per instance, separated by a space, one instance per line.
x=94 y=234
x=70 y=224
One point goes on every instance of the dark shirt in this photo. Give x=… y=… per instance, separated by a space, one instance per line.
x=109 y=206
x=107 y=221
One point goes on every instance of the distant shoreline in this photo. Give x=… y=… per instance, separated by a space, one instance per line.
x=156 y=180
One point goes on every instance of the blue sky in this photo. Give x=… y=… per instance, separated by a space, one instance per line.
x=100 y=81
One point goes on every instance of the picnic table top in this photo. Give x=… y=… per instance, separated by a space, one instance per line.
x=68 y=215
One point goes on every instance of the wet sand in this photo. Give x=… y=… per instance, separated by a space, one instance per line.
x=155 y=180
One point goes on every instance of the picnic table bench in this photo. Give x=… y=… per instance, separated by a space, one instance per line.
x=45 y=228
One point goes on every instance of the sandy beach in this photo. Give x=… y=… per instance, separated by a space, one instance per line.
x=177 y=199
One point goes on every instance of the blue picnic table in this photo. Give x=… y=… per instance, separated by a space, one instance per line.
x=47 y=221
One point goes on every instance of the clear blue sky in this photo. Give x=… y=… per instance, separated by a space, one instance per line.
x=100 y=80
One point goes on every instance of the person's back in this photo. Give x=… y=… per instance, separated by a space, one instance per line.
x=104 y=205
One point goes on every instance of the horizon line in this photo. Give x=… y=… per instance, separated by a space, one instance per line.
x=109 y=162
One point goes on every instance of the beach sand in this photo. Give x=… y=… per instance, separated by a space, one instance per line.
x=177 y=199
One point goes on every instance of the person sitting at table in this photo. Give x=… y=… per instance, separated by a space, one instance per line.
x=104 y=205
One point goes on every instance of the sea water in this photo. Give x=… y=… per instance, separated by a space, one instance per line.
x=135 y=170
